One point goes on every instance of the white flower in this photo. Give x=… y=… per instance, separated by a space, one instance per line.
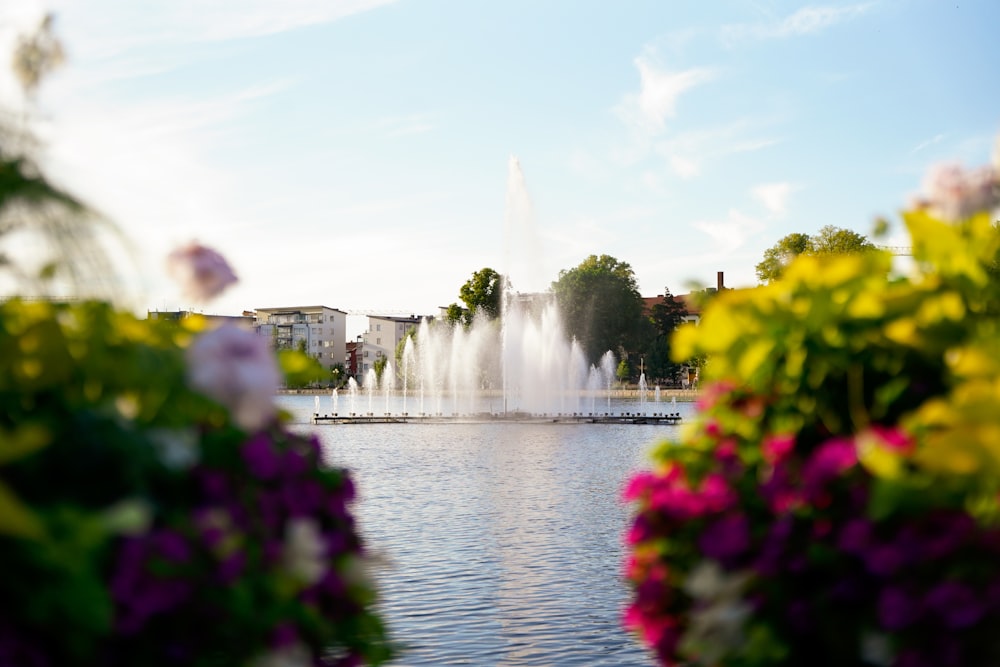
x=236 y=368
x=955 y=194
x=295 y=655
x=304 y=552
x=177 y=448
x=202 y=273
x=719 y=614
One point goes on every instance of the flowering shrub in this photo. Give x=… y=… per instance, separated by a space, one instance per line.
x=837 y=499
x=154 y=510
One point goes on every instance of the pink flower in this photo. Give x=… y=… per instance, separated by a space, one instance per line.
x=777 y=447
x=829 y=460
x=236 y=368
x=956 y=194
x=203 y=273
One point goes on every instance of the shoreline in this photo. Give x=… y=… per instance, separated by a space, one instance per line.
x=682 y=395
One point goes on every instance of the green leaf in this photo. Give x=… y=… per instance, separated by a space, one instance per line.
x=22 y=441
x=16 y=518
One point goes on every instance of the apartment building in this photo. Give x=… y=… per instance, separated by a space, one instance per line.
x=383 y=335
x=318 y=330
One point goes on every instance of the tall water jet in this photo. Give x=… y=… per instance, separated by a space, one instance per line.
x=371 y=384
x=407 y=368
x=352 y=396
x=334 y=397
x=388 y=384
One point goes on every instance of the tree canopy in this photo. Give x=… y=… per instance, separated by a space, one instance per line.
x=482 y=293
x=665 y=316
x=829 y=240
x=600 y=305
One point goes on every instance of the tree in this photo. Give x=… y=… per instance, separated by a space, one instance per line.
x=829 y=240
x=482 y=293
x=600 y=304
x=665 y=317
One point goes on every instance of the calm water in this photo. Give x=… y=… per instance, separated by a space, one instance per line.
x=499 y=544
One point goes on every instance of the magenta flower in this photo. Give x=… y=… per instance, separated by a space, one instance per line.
x=236 y=368
x=203 y=273
x=829 y=460
x=776 y=448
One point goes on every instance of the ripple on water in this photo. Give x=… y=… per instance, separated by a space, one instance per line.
x=498 y=544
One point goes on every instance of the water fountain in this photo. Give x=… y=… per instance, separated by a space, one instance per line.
x=522 y=365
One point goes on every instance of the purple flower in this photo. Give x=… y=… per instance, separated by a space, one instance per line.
x=203 y=273
x=955 y=603
x=172 y=546
x=855 y=537
x=884 y=559
x=259 y=455
x=236 y=368
x=231 y=567
x=896 y=609
x=725 y=538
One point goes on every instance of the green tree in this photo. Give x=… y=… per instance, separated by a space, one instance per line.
x=664 y=317
x=600 y=305
x=379 y=366
x=483 y=292
x=338 y=376
x=455 y=314
x=829 y=240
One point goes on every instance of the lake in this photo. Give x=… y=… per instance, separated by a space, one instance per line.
x=496 y=543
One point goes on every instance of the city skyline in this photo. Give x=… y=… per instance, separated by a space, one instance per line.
x=356 y=154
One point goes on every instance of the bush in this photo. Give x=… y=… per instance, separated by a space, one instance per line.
x=154 y=510
x=836 y=500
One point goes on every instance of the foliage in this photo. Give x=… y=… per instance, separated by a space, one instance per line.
x=600 y=304
x=139 y=524
x=482 y=294
x=379 y=366
x=829 y=240
x=837 y=500
x=68 y=235
x=665 y=317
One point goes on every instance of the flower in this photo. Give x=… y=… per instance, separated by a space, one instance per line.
x=304 y=551
x=236 y=368
x=955 y=194
x=203 y=273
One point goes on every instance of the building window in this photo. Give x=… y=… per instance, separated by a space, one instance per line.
x=378 y=327
x=378 y=341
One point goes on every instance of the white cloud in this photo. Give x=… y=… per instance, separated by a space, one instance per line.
x=656 y=101
x=774 y=196
x=687 y=152
x=928 y=143
x=684 y=167
x=732 y=232
x=805 y=21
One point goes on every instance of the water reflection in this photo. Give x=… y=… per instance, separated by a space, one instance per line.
x=501 y=542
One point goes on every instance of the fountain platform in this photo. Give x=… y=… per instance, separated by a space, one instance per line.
x=657 y=418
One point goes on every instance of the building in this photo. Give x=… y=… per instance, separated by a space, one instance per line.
x=319 y=331
x=383 y=335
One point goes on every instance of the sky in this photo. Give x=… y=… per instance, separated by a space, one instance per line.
x=358 y=154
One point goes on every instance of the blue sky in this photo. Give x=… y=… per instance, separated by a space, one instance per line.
x=354 y=153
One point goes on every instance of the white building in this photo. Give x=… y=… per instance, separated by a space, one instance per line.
x=318 y=330
x=383 y=335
